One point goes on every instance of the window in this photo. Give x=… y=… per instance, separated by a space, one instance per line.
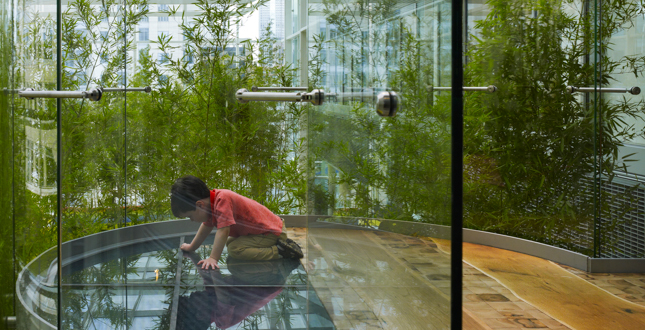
x=144 y=9
x=188 y=56
x=143 y=34
x=162 y=58
x=163 y=18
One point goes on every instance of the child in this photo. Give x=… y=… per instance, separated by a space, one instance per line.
x=249 y=230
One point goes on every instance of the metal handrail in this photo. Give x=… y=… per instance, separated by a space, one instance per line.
x=146 y=89
x=316 y=97
x=490 y=89
x=255 y=88
x=635 y=90
x=93 y=95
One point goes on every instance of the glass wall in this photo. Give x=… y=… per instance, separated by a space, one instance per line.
x=7 y=280
x=122 y=148
x=553 y=155
x=367 y=171
x=620 y=224
x=545 y=161
x=120 y=155
x=529 y=147
x=35 y=159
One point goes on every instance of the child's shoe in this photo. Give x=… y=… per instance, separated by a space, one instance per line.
x=289 y=249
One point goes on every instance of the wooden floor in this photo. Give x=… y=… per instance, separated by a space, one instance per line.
x=379 y=280
x=568 y=298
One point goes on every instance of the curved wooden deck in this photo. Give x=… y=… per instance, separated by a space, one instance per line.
x=380 y=280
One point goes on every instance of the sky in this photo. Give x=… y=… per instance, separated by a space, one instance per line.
x=250 y=26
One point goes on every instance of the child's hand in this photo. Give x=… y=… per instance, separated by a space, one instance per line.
x=209 y=262
x=186 y=247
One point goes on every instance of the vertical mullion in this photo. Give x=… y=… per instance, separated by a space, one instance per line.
x=59 y=158
x=456 y=253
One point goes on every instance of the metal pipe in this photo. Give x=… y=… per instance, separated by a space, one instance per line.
x=316 y=97
x=10 y=91
x=632 y=90
x=94 y=94
x=146 y=89
x=255 y=88
x=490 y=89
x=261 y=96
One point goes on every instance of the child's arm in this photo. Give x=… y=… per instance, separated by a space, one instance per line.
x=202 y=233
x=221 y=235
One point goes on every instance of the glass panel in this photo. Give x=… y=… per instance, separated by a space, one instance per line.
x=7 y=284
x=529 y=150
x=295 y=13
x=94 y=139
x=35 y=148
x=620 y=132
x=122 y=154
x=367 y=171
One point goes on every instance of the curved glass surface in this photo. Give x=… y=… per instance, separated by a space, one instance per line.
x=166 y=290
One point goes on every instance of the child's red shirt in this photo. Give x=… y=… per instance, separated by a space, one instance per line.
x=244 y=215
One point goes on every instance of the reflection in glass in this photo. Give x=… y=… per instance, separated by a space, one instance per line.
x=165 y=286
x=241 y=297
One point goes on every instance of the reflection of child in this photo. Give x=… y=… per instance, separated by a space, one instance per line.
x=248 y=229
x=227 y=300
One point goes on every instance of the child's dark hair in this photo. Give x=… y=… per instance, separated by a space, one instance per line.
x=185 y=192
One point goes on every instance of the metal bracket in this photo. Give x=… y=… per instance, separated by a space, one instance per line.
x=635 y=90
x=316 y=97
x=387 y=103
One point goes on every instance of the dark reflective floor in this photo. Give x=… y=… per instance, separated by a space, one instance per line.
x=154 y=285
